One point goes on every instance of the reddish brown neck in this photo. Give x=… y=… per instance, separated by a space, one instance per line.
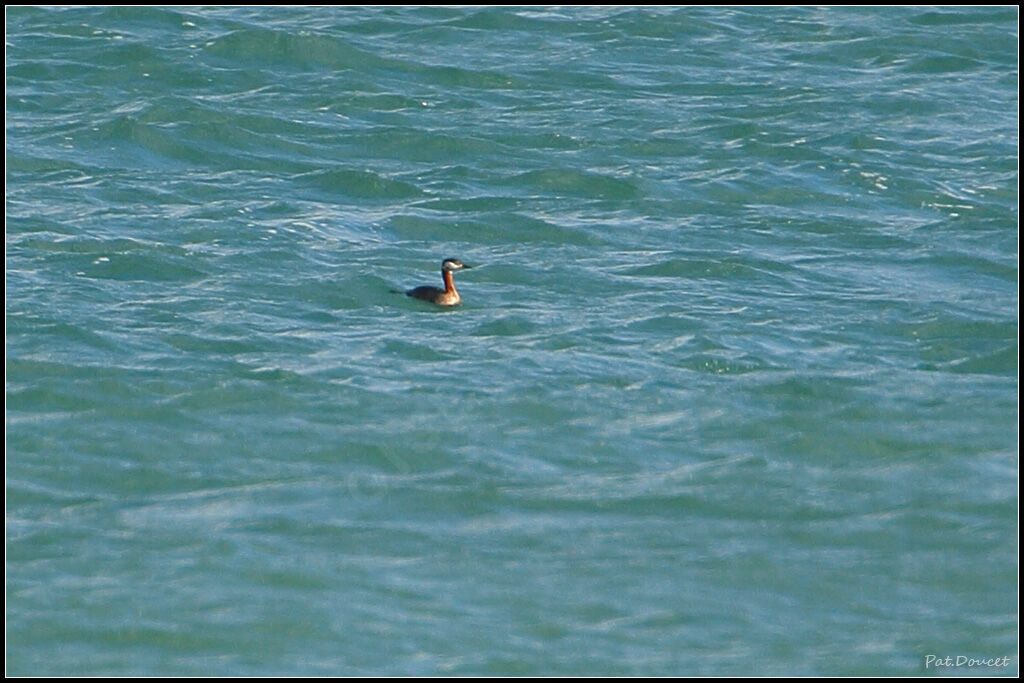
x=449 y=281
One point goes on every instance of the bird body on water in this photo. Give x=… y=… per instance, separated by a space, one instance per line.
x=448 y=296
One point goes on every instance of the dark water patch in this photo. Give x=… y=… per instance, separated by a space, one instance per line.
x=568 y=182
x=817 y=393
x=358 y=184
x=662 y=146
x=419 y=145
x=143 y=267
x=943 y=64
x=509 y=326
x=474 y=205
x=1003 y=362
x=99 y=247
x=58 y=332
x=146 y=265
x=383 y=101
x=294 y=50
x=143 y=17
x=198 y=137
x=733 y=269
x=677 y=324
x=49 y=171
x=492 y=19
x=545 y=141
x=414 y=227
x=525 y=229
x=413 y=351
x=207 y=344
x=949 y=327
x=984 y=15
x=238 y=388
x=723 y=365
x=473 y=79
x=320 y=297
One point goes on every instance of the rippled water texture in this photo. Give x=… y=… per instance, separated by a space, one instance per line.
x=732 y=390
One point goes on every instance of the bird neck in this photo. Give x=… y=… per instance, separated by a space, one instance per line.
x=449 y=280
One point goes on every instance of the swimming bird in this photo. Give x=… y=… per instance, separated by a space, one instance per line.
x=442 y=297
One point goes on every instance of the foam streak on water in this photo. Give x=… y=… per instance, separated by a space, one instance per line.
x=733 y=389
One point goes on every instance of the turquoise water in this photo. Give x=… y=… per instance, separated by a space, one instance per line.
x=732 y=390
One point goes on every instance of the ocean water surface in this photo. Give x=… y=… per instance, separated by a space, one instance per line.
x=732 y=390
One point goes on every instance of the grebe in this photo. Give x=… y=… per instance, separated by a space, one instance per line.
x=442 y=297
